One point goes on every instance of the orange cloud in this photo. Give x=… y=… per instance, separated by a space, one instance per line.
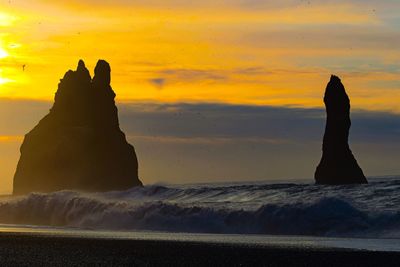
x=276 y=54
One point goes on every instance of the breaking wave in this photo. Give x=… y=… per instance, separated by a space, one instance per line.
x=283 y=209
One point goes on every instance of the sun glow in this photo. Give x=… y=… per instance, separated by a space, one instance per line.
x=3 y=80
x=6 y=19
x=3 y=53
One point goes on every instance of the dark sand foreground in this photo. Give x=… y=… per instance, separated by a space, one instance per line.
x=30 y=249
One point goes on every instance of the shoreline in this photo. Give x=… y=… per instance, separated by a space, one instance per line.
x=250 y=240
x=49 y=249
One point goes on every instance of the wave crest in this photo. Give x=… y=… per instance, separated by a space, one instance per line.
x=324 y=216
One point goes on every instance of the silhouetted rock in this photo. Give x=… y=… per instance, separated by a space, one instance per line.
x=79 y=144
x=338 y=165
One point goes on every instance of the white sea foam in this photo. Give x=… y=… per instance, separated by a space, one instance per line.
x=371 y=210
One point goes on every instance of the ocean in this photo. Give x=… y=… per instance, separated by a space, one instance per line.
x=291 y=209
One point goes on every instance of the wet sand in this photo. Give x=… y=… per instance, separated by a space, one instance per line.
x=32 y=249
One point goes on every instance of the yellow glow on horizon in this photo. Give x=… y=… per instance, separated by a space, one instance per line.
x=3 y=80
x=11 y=138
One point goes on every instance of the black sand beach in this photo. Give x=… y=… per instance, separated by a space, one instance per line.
x=33 y=249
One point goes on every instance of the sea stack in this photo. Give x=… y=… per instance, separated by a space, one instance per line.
x=338 y=165
x=79 y=144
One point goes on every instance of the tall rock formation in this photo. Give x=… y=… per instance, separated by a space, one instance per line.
x=338 y=165
x=79 y=144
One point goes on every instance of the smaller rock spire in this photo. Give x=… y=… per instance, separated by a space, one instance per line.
x=335 y=78
x=337 y=165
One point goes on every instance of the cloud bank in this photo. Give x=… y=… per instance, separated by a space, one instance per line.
x=184 y=143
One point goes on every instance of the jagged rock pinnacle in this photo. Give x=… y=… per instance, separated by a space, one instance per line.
x=81 y=65
x=82 y=71
x=338 y=165
x=102 y=73
x=79 y=144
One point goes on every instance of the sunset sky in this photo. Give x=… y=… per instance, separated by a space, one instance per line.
x=241 y=63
